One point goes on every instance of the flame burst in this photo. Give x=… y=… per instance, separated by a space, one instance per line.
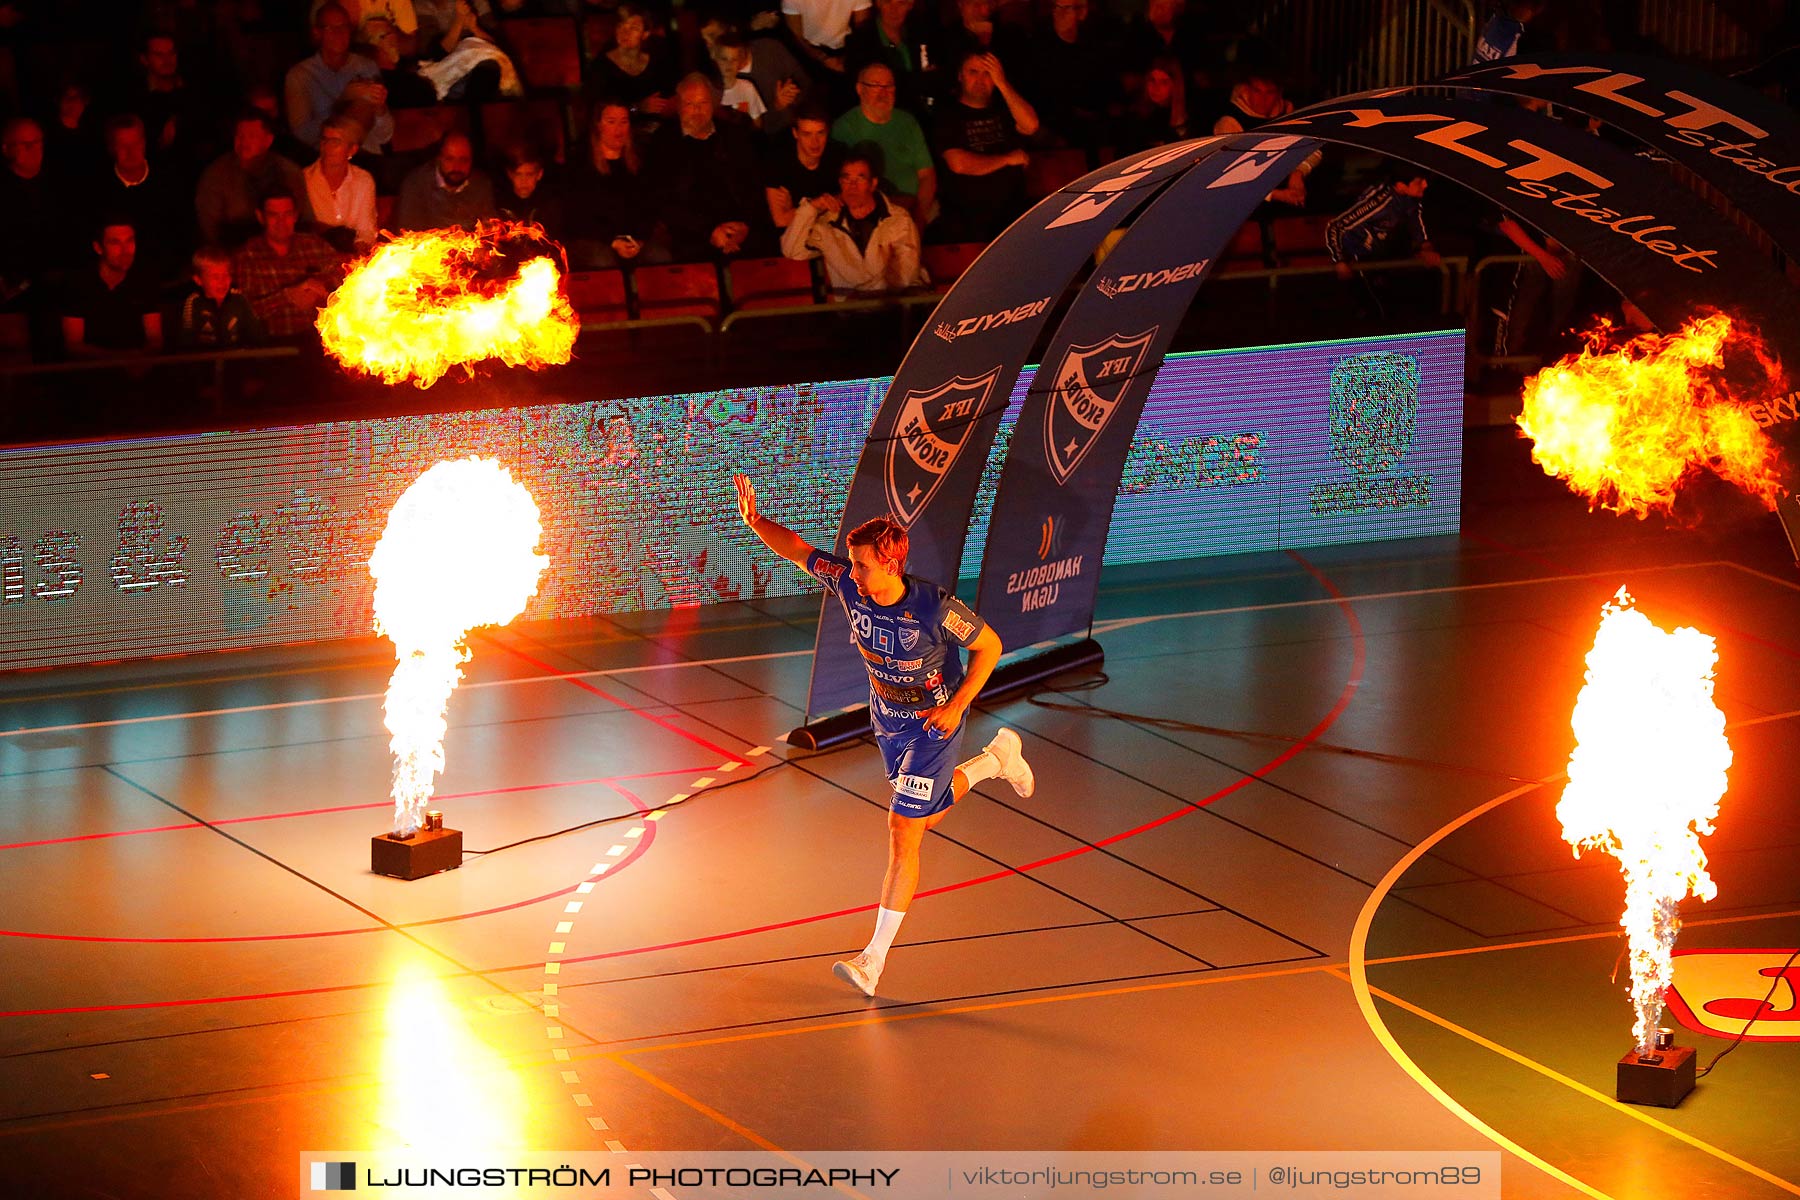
x=1626 y=426
x=429 y=301
x=1645 y=782
x=459 y=551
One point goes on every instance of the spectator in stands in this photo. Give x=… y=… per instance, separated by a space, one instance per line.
x=215 y=315
x=973 y=32
x=730 y=52
x=868 y=245
x=336 y=82
x=821 y=28
x=612 y=204
x=1068 y=68
x=1505 y=32
x=447 y=191
x=285 y=274
x=110 y=308
x=340 y=193
x=34 y=233
x=981 y=139
x=1387 y=221
x=174 y=114
x=802 y=166
x=768 y=66
x=387 y=45
x=1256 y=102
x=152 y=197
x=528 y=193
x=635 y=69
x=705 y=175
x=1157 y=112
x=226 y=198
x=266 y=98
x=72 y=140
x=458 y=40
x=892 y=38
x=1165 y=30
x=895 y=140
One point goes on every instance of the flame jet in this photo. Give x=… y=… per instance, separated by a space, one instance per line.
x=427 y=302
x=459 y=551
x=1645 y=782
x=1627 y=425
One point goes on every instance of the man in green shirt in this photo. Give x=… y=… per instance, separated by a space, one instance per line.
x=895 y=140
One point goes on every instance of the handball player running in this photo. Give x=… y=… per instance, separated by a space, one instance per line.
x=908 y=632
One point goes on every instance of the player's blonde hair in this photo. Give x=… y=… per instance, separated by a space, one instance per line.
x=887 y=536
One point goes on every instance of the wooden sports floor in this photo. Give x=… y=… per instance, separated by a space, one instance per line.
x=1299 y=775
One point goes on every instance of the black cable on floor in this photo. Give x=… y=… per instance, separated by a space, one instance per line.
x=635 y=815
x=1757 y=1012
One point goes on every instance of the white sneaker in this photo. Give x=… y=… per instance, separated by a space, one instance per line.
x=862 y=972
x=1013 y=767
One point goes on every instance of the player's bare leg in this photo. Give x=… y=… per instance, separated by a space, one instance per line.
x=1000 y=758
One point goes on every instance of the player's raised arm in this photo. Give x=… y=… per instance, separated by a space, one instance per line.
x=774 y=535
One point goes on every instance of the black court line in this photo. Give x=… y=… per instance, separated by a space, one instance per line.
x=566 y=988
x=445 y=955
x=1322 y=807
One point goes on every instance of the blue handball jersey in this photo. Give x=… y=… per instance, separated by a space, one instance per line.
x=909 y=647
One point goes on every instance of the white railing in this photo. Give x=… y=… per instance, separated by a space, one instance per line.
x=1355 y=45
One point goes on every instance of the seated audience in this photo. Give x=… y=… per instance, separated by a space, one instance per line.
x=801 y=166
x=612 y=216
x=226 y=198
x=981 y=139
x=337 y=83
x=1157 y=112
x=895 y=140
x=868 y=244
x=705 y=174
x=153 y=197
x=286 y=275
x=635 y=69
x=109 y=308
x=340 y=193
x=527 y=193
x=447 y=191
x=215 y=315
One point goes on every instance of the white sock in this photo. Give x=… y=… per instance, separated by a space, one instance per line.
x=982 y=766
x=887 y=924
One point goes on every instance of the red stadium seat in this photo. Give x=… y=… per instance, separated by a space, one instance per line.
x=1300 y=241
x=677 y=290
x=770 y=282
x=1245 y=250
x=421 y=128
x=946 y=263
x=538 y=123
x=598 y=296
x=546 y=50
x=15 y=338
x=1050 y=170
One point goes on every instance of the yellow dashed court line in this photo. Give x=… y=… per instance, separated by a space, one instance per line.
x=552 y=1011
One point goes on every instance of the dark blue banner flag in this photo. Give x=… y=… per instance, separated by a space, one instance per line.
x=1745 y=145
x=1667 y=251
x=1054 y=503
x=930 y=439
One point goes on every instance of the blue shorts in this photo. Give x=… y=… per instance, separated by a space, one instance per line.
x=921 y=769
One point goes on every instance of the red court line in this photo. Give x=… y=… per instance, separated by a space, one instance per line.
x=1359 y=659
x=637 y=851
x=314 y=812
x=585 y=686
